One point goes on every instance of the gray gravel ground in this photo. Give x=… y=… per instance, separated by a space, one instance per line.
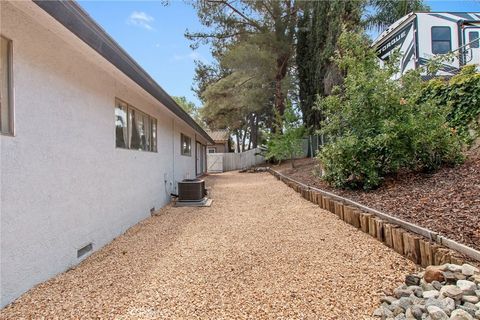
x=260 y=252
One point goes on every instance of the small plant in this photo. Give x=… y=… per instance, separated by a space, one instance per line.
x=286 y=142
x=377 y=126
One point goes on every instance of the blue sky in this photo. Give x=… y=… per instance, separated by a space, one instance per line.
x=153 y=34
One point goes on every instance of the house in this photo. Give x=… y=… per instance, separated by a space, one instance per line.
x=423 y=35
x=222 y=141
x=90 y=143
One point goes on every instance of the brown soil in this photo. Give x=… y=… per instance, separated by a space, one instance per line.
x=447 y=201
x=259 y=252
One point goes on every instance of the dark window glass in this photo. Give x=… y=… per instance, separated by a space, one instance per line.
x=134 y=129
x=441 y=40
x=473 y=39
x=143 y=127
x=121 y=125
x=5 y=87
x=135 y=142
x=186 y=145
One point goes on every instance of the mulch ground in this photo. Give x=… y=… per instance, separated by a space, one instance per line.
x=259 y=252
x=447 y=201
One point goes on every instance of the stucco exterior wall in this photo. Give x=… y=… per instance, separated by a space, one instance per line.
x=63 y=183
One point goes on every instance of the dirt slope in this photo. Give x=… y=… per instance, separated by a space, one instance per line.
x=447 y=201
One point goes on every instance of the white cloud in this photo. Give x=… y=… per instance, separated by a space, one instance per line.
x=194 y=55
x=141 y=19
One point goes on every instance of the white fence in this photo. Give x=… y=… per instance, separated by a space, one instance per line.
x=220 y=162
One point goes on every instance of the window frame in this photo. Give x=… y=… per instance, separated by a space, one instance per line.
x=153 y=134
x=474 y=44
x=147 y=122
x=432 y=40
x=10 y=90
x=182 y=137
x=212 y=148
x=123 y=104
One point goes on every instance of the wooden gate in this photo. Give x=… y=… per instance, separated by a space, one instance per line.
x=220 y=162
x=214 y=162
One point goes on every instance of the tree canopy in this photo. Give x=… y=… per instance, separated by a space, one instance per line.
x=385 y=12
x=319 y=27
x=253 y=44
x=269 y=52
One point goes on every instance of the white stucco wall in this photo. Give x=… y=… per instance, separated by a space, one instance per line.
x=63 y=182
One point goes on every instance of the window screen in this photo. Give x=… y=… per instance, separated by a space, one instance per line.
x=441 y=40
x=473 y=39
x=6 y=124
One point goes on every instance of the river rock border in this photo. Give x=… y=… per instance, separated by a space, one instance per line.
x=446 y=292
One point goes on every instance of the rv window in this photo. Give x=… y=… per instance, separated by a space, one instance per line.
x=473 y=39
x=441 y=40
x=6 y=114
x=186 y=145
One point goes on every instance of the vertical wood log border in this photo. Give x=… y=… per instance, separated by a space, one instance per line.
x=421 y=245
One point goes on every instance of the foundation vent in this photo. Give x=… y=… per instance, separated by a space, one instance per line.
x=84 y=250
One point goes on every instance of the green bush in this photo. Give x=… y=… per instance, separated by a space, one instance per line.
x=461 y=95
x=286 y=142
x=377 y=126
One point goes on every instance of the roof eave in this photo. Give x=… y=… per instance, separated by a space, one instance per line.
x=394 y=26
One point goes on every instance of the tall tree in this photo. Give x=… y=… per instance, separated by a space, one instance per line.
x=186 y=105
x=190 y=108
x=318 y=31
x=386 y=12
x=241 y=100
x=205 y=75
x=269 y=24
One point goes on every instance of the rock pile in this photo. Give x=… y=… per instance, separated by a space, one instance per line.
x=446 y=292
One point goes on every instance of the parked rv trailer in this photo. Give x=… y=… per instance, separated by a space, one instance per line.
x=421 y=36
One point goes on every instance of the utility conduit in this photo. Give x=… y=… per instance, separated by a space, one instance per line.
x=429 y=234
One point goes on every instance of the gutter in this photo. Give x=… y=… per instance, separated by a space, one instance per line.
x=77 y=21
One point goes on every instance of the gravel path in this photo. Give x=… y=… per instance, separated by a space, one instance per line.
x=447 y=201
x=260 y=251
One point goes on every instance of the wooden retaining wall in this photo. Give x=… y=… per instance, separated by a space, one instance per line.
x=422 y=246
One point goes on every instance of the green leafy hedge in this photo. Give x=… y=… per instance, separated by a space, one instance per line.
x=461 y=96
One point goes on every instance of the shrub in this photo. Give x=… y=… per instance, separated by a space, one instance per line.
x=376 y=125
x=286 y=143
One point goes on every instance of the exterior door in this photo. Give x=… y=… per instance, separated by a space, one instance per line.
x=471 y=35
x=200 y=159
